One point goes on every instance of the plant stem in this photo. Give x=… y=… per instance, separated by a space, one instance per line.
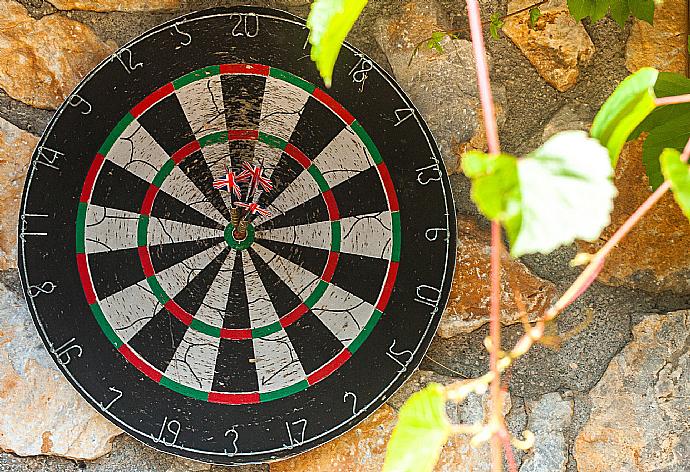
x=674 y=100
x=489 y=115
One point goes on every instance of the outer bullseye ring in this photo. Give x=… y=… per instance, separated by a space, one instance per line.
x=238 y=244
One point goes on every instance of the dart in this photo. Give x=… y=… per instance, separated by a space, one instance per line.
x=230 y=182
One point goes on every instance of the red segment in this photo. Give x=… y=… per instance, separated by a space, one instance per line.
x=328 y=368
x=297 y=155
x=237 y=334
x=294 y=315
x=335 y=107
x=146 y=263
x=83 y=269
x=387 y=286
x=256 y=69
x=179 y=312
x=152 y=99
x=143 y=366
x=243 y=135
x=91 y=177
x=388 y=185
x=148 y=200
x=330 y=266
x=333 y=213
x=233 y=398
x=185 y=151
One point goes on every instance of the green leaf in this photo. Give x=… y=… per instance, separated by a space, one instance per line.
x=534 y=14
x=329 y=22
x=620 y=11
x=422 y=430
x=580 y=8
x=599 y=9
x=677 y=173
x=435 y=41
x=668 y=126
x=560 y=192
x=642 y=9
x=495 y=25
x=624 y=110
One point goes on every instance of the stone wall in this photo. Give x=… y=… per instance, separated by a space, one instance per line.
x=613 y=396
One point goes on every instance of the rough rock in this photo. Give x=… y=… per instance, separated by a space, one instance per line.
x=548 y=418
x=16 y=147
x=557 y=44
x=116 y=5
x=468 y=303
x=54 y=418
x=662 y=45
x=573 y=116
x=652 y=256
x=640 y=418
x=42 y=60
x=442 y=85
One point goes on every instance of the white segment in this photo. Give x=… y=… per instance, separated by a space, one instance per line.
x=300 y=280
x=281 y=108
x=212 y=309
x=108 y=229
x=175 y=278
x=128 y=310
x=169 y=231
x=277 y=365
x=179 y=186
x=311 y=235
x=217 y=157
x=344 y=157
x=261 y=310
x=202 y=102
x=367 y=235
x=299 y=191
x=194 y=361
x=136 y=151
x=343 y=313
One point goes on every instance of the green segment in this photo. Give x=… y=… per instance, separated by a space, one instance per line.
x=272 y=141
x=105 y=326
x=366 y=139
x=213 y=138
x=234 y=243
x=115 y=133
x=318 y=177
x=163 y=173
x=293 y=79
x=264 y=331
x=395 y=251
x=158 y=290
x=335 y=236
x=196 y=75
x=142 y=230
x=359 y=340
x=284 y=392
x=316 y=294
x=81 y=223
x=183 y=389
x=205 y=328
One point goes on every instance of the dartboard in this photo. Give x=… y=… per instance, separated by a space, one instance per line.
x=228 y=260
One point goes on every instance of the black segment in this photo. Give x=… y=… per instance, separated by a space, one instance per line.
x=282 y=297
x=303 y=334
x=235 y=367
x=312 y=259
x=168 y=254
x=170 y=208
x=112 y=271
x=167 y=124
x=311 y=211
x=239 y=152
x=158 y=339
x=317 y=126
x=242 y=96
x=196 y=169
x=237 y=308
x=360 y=275
x=286 y=171
x=193 y=295
x=360 y=195
x=112 y=180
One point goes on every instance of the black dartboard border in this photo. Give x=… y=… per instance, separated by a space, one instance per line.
x=186 y=406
